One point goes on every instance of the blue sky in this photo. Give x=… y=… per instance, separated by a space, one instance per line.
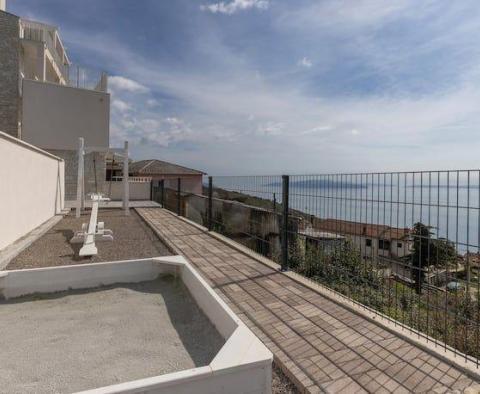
x=283 y=86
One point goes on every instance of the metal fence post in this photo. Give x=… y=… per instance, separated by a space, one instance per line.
x=179 y=189
x=162 y=193
x=285 y=184
x=210 y=203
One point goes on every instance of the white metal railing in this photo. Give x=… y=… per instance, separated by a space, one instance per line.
x=85 y=78
x=133 y=179
x=36 y=31
x=73 y=75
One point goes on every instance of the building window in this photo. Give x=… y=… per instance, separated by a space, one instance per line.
x=399 y=245
x=368 y=242
x=384 y=244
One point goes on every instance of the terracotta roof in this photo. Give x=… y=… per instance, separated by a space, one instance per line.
x=364 y=229
x=159 y=167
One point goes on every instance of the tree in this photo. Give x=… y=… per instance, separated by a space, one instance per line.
x=428 y=252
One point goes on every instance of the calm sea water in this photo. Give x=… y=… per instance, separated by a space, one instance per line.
x=448 y=203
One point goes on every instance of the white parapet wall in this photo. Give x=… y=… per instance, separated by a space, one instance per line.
x=243 y=364
x=32 y=188
x=55 y=115
x=138 y=190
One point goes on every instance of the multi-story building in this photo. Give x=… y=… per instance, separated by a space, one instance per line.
x=47 y=101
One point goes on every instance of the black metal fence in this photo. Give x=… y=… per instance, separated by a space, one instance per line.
x=405 y=244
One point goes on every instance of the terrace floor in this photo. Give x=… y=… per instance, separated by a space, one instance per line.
x=132 y=239
x=321 y=346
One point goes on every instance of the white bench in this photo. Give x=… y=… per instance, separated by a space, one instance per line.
x=93 y=232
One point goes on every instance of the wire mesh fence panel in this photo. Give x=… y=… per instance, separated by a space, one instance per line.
x=187 y=199
x=248 y=210
x=166 y=195
x=405 y=244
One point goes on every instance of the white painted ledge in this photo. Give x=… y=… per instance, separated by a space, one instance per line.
x=13 y=250
x=24 y=144
x=243 y=364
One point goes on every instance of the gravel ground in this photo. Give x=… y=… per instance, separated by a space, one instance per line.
x=132 y=239
x=79 y=340
x=281 y=384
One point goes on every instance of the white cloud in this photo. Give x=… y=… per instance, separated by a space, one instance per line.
x=136 y=117
x=173 y=121
x=346 y=15
x=271 y=128
x=305 y=62
x=317 y=129
x=229 y=113
x=152 y=103
x=125 y=84
x=234 y=6
x=150 y=129
x=120 y=105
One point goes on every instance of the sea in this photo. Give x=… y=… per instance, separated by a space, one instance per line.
x=448 y=202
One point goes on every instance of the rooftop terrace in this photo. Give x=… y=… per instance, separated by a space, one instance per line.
x=338 y=321
x=321 y=343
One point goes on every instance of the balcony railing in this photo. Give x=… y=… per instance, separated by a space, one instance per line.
x=40 y=32
x=403 y=244
x=133 y=179
x=85 y=78
x=73 y=75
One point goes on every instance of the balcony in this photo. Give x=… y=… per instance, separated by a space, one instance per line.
x=55 y=66
x=55 y=51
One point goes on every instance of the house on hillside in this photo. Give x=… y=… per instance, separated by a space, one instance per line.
x=373 y=240
x=317 y=239
x=158 y=170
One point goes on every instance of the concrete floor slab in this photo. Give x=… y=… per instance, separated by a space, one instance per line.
x=79 y=340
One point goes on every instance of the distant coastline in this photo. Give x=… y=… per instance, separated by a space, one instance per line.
x=321 y=184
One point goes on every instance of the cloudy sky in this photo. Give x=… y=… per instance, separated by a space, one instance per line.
x=284 y=86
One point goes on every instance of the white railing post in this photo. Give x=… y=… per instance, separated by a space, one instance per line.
x=80 y=184
x=126 y=190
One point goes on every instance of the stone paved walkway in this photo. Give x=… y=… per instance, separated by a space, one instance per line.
x=322 y=346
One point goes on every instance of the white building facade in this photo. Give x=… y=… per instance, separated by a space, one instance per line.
x=47 y=101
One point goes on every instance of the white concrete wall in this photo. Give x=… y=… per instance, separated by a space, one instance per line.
x=138 y=190
x=32 y=188
x=3 y=5
x=55 y=116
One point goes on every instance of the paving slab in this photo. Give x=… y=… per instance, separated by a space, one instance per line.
x=320 y=345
